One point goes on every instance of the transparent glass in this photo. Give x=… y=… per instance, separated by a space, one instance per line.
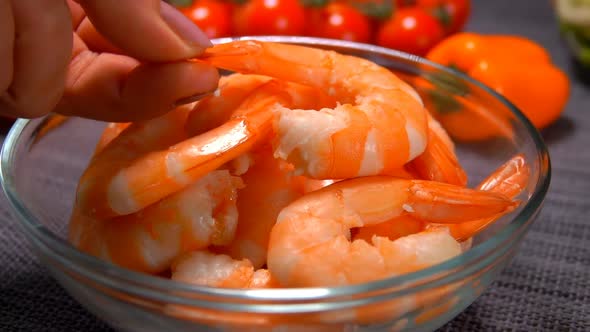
x=41 y=164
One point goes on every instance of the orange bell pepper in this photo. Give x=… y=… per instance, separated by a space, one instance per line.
x=514 y=67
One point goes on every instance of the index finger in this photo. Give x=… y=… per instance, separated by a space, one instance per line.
x=149 y=30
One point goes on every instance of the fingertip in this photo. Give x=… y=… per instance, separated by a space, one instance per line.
x=166 y=86
x=204 y=76
x=76 y=12
x=205 y=79
x=149 y=30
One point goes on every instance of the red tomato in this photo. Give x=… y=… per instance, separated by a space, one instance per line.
x=340 y=21
x=410 y=30
x=270 y=17
x=313 y=18
x=455 y=12
x=230 y=5
x=213 y=17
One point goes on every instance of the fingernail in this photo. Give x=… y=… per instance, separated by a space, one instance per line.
x=191 y=99
x=184 y=27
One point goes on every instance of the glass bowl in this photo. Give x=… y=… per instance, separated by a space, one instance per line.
x=488 y=131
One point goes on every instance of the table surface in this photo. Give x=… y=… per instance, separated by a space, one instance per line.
x=545 y=288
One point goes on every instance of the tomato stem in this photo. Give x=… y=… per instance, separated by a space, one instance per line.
x=447 y=82
x=446 y=88
x=180 y=3
x=443 y=102
x=442 y=15
x=314 y=3
x=381 y=11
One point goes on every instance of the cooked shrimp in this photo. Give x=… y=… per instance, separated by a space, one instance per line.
x=196 y=217
x=269 y=182
x=152 y=160
x=438 y=162
x=212 y=111
x=208 y=269
x=391 y=229
x=234 y=89
x=309 y=245
x=379 y=125
x=201 y=215
x=120 y=145
x=509 y=179
x=268 y=188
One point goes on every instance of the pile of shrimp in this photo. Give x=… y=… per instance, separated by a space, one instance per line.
x=305 y=168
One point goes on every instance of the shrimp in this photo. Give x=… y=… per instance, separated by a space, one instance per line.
x=234 y=89
x=149 y=161
x=379 y=126
x=438 y=162
x=201 y=215
x=208 y=269
x=269 y=183
x=309 y=245
x=268 y=188
x=392 y=229
x=172 y=215
x=215 y=109
x=509 y=179
x=120 y=145
x=205 y=268
x=106 y=191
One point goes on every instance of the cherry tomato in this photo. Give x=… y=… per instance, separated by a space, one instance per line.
x=410 y=30
x=230 y=4
x=313 y=17
x=213 y=17
x=454 y=13
x=341 y=21
x=270 y=17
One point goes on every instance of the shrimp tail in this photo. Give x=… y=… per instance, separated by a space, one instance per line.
x=439 y=202
x=376 y=199
x=510 y=179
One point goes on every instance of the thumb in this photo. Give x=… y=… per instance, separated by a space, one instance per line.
x=148 y=30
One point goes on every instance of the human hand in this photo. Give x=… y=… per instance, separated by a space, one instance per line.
x=109 y=60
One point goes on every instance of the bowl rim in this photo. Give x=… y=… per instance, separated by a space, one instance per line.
x=159 y=288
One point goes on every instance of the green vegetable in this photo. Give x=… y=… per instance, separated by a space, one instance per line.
x=180 y=3
x=578 y=39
